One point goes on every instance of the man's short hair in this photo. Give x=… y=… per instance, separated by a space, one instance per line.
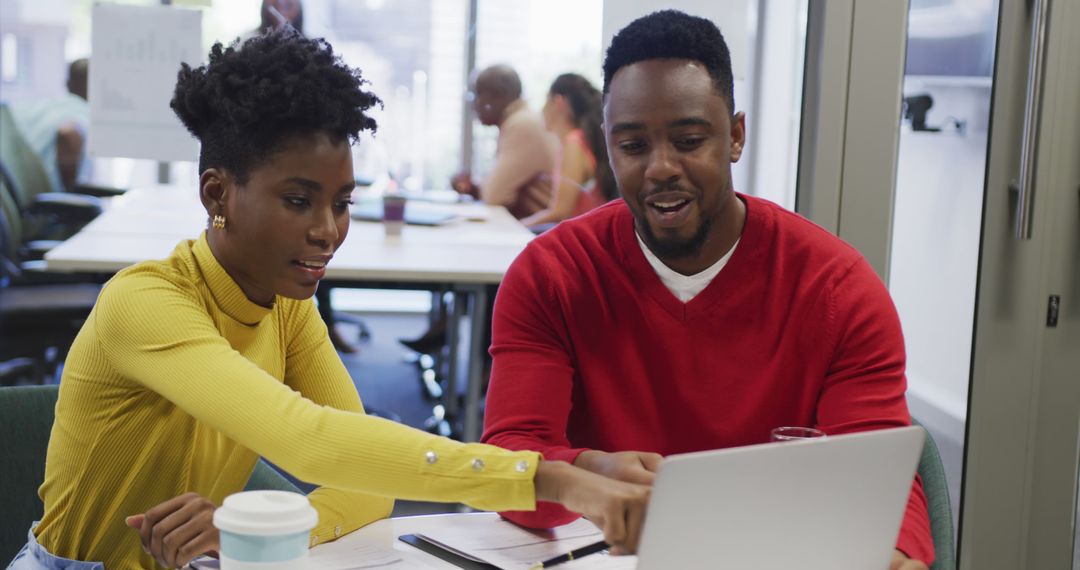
x=503 y=79
x=670 y=34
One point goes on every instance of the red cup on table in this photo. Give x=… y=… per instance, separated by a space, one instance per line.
x=795 y=433
x=393 y=214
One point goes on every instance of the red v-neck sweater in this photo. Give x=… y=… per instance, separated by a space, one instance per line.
x=592 y=351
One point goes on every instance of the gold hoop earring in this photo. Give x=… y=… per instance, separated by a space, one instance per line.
x=219 y=222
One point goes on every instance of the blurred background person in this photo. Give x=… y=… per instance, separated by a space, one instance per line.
x=55 y=128
x=275 y=14
x=524 y=162
x=291 y=10
x=525 y=156
x=573 y=112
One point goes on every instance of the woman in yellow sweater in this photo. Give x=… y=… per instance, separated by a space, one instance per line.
x=190 y=368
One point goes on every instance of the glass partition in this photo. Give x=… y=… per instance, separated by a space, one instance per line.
x=938 y=210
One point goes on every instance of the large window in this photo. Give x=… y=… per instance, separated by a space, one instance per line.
x=540 y=39
x=414 y=53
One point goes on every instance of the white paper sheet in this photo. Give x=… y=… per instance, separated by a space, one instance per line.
x=136 y=54
x=354 y=556
x=511 y=547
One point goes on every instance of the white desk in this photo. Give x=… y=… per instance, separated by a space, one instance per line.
x=465 y=257
x=383 y=536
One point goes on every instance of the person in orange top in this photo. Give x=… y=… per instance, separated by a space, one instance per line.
x=573 y=112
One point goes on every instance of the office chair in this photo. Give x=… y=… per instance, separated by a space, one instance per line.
x=938 y=505
x=266 y=478
x=27 y=171
x=39 y=317
x=39 y=323
x=46 y=214
x=20 y=244
x=26 y=415
x=26 y=418
x=20 y=370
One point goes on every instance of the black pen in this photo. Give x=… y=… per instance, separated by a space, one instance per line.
x=572 y=555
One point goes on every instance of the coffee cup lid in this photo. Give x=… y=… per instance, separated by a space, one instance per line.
x=266 y=513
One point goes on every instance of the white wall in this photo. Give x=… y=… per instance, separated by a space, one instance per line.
x=935 y=251
x=774 y=112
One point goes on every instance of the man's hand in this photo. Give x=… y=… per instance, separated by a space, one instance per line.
x=463 y=184
x=617 y=508
x=178 y=530
x=900 y=561
x=630 y=466
x=70 y=144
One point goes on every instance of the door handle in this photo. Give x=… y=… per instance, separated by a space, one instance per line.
x=1025 y=185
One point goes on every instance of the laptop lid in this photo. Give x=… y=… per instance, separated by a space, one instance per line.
x=832 y=503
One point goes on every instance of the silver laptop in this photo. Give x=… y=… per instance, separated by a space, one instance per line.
x=833 y=503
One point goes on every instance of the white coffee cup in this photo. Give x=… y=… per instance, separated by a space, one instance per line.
x=265 y=530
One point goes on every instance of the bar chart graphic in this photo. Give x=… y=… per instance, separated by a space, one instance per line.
x=137 y=52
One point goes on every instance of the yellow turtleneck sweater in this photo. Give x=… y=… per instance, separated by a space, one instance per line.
x=177 y=383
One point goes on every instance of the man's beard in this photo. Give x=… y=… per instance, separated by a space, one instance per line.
x=674 y=248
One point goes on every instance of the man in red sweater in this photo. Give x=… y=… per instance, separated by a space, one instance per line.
x=687 y=317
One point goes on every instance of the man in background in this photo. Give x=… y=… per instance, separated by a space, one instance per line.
x=525 y=159
x=55 y=129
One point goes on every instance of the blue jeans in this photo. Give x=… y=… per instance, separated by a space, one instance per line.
x=33 y=556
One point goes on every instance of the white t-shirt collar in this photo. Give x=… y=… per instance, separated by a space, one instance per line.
x=684 y=287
